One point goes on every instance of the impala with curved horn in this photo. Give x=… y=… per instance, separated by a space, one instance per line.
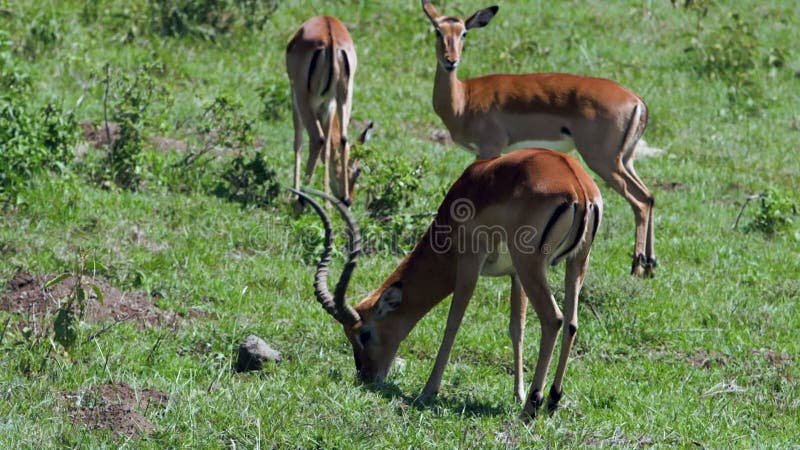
x=514 y=216
x=493 y=113
x=321 y=62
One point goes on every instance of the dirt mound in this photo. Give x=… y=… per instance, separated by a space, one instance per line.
x=26 y=294
x=116 y=407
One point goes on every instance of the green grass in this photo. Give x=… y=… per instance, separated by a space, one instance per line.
x=637 y=378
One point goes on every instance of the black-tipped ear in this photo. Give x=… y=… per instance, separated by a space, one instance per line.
x=481 y=18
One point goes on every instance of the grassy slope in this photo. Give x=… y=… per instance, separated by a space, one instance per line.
x=719 y=291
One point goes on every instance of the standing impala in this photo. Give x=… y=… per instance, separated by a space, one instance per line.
x=321 y=62
x=513 y=215
x=600 y=118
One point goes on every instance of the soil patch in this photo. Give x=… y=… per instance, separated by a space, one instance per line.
x=703 y=359
x=26 y=294
x=116 y=407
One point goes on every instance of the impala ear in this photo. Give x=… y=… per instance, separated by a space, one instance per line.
x=366 y=134
x=481 y=18
x=430 y=11
x=389 y=300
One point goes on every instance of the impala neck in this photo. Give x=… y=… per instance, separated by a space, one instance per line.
x=427 y=278
x=448 y=93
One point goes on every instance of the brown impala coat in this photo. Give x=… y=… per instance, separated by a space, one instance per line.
x=513 y=215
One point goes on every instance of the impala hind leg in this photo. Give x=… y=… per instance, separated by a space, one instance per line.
x=516 y=329
x=573 y=281
x=467 y=276
x=534 y=281
x=649 y=250
x=634 y=191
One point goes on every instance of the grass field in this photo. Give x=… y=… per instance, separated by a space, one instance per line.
x=703 y=355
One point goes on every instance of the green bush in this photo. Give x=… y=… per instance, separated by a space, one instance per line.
x=731 y=52
x=775 y=213
x=132 y=97
x=33 y=139
x=249 y=182
x=208 y=18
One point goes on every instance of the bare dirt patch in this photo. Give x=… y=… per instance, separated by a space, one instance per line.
x=703 y=359
x=26 y=294
x=116 y=407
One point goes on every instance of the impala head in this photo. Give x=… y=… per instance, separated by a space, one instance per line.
x=374 y=342
x=451 y=32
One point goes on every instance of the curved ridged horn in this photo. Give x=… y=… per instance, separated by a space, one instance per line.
x=355 y=245
x=336 y=305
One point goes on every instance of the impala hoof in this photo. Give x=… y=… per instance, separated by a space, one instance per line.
x=553 y=400
x=532 y=405
x=639 y=266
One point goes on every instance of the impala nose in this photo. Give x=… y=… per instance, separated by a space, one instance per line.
x=449 y=65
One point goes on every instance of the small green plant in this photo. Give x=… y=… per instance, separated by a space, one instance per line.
x=390 y=184
x=133 y=97
x=72 y=308
x=249 y=181
x=731 y=52
x=275 y=100
x=42 y=34
x=775 y=213
x=32 y=140
x=208 y=19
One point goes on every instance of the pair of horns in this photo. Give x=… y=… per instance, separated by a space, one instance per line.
x=335 y=304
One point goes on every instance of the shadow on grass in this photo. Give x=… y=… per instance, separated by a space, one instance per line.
x=469 y=408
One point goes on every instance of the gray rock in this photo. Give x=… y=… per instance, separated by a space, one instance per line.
x=253 y=352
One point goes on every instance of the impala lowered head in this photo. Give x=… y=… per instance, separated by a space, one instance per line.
x=451 y=32
x=373 y=347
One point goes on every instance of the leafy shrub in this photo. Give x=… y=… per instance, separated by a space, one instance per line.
x=32 y=140
x=208 y=18
x=775 y=213
x=390 y=184
x=133 y=96
x=731 y=52
x=250 y=182
x=43 y=33
x=275 y=100
x=308 y=235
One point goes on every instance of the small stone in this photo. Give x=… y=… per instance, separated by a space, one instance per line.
x=253 y=352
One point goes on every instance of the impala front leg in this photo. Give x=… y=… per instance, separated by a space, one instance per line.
x=466 y=278
x=516 y=329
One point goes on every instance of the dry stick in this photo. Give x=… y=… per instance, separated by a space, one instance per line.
x=155 y=347
x=739 y=216
x=105 y=105
x=5 y=327
x=104 y=330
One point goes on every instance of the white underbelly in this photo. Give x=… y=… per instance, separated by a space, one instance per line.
x=561 y=145
x=498 y=263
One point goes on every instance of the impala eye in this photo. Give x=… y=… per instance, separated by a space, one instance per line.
x=438 y=32
x=464 y=35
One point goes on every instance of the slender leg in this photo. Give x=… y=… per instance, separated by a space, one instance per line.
x=466 y=278
x=516 y=328
x=298 y=143
x=534 y=280
x=641 y=201
x=573 y=281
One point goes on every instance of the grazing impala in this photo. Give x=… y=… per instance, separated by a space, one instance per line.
x=513 y=215
x=321 y=62
x=490 y=114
